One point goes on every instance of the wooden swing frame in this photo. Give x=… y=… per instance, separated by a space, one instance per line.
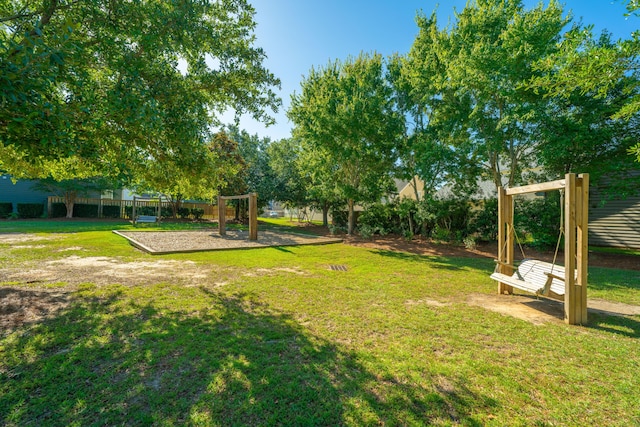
x=253 y=214
x=576 y=244
x=146 y=218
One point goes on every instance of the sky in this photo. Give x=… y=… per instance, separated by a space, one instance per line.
x=300 y=34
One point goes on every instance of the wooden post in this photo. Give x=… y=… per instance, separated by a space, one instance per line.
x=572 y=311
x=133 y=211
x=222 y=216
x=505 y=239
x=582 y=260
x=253 y=216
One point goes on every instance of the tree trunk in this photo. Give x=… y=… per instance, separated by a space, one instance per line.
x=350 y=225
x=69 y=201
x=325 y=214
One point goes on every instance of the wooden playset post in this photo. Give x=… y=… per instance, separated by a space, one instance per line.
x=253 y=216
x=253 y=213
x=222 y=216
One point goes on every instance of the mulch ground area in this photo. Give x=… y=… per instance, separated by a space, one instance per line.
x=165 y=242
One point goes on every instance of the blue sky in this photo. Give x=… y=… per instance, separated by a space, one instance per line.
x=299 y=34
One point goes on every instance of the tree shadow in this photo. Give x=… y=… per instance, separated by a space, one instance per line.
x=435 y=261
x=233 y=361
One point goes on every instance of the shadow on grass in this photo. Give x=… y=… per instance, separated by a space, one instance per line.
x=437 y=261
x=226 y=360
x=609 y=321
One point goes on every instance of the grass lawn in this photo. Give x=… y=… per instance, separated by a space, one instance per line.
x=275 y=337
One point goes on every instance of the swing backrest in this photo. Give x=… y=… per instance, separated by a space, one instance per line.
x=536 y=272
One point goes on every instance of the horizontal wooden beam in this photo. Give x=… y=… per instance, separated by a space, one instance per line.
x=244 y=196
x=535 y=188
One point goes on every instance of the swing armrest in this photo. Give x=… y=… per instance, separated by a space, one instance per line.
x=555 y=276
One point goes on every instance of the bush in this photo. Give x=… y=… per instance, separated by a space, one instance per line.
x=58 y=210
x=30 y=210
x=485 y=221
x=537 y=221
x=377 y=218
x=109 y=211
x=166 y=212
x=197 y=213
x=82 y=210
x=6 y=208
x=183 y=212
x=339 y=218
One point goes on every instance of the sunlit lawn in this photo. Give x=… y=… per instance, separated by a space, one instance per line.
x=287 y=341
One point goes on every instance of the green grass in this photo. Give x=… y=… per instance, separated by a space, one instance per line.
x=286 y=341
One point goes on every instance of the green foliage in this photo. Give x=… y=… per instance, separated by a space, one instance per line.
x=58 y=210
x=469 y=78
x=81 y=210
x=344 y=114
x=30 y=210
x=5 y=209
x=148 y=90
x=537 y=221
x=379 y=218
x=183 y=212
x=484 y=222
x=109 y=211
x=197 y=213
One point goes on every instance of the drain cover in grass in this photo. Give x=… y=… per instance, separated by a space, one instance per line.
x=338 y=267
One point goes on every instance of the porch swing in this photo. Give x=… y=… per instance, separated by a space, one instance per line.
x=568 y=283
x=535 y=276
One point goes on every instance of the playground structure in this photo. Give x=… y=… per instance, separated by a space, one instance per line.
x=568 y=283
x=253 y=213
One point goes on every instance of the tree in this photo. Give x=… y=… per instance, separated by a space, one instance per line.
x=202 y=181
x=582 y=132
x=585 y=65
x=115 y=83
x=473 y=74
x=345 y=111
x=291 y=182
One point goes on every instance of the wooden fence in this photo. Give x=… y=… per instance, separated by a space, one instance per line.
x=210 y=211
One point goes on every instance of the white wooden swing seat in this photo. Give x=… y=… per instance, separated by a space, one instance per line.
x=536 y=277
x=146 y=218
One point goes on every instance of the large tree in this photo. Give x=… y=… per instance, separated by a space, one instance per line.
x=584 y=65
x=116 y=83
x=345 y=111
x=472 y=74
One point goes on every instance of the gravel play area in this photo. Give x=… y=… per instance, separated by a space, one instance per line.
x=165 y=242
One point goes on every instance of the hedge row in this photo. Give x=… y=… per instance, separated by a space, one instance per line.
x=6 y=208
x=81 y=210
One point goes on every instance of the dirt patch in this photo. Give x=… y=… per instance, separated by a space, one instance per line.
x=22 y=306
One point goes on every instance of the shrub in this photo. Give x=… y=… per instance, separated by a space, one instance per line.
x=183 y=212
x=109 y=211
x=537 y=221
x=166 y=212
x=30 y=210
x=58 y=210
x=6 y=208
x=485 y=221
x=339 y=218
x=197 y=213
x=377 y=218
x=82 y=210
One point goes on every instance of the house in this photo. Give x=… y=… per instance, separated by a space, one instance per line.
x=24 y=191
